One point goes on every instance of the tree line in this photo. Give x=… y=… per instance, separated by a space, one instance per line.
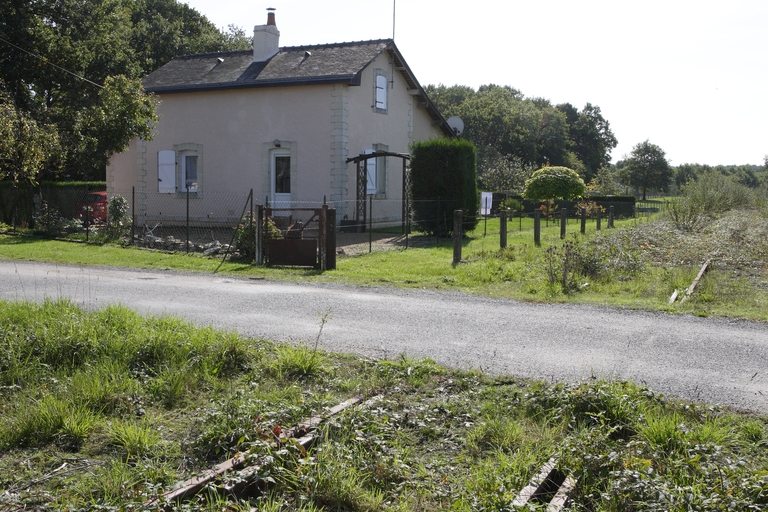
x=516 y=135
x=71 y=96
x=70 y=78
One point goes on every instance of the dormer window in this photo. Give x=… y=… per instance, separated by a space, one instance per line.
x=380 y=87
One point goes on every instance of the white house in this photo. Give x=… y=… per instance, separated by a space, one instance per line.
x=280 y=121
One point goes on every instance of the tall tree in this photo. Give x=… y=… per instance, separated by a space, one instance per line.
x=512 y=133
x=647 y=168
x=73 y=68
x=591 y=138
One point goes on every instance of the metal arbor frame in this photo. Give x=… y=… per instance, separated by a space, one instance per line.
x=361 y=185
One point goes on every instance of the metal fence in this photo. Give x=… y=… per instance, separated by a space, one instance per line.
x=209 y=222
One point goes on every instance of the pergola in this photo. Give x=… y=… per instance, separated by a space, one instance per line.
x=361 y=189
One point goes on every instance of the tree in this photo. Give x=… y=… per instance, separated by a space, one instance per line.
x=72 y=68
x=554 y=183
x=501 y=173
x=25 y=145
x=528 y=132
x=591 y=138
x=647 y=168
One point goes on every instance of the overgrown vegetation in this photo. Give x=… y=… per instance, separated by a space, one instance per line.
x=107 y=410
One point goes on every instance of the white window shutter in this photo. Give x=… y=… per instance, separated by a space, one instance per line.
x=166 y=171
x=371 y=185
x=381 y=92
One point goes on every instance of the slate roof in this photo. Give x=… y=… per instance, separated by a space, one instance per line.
x=295 y=65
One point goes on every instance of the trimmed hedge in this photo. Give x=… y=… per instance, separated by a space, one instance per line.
x=623 y=206
x=443 y=179
x=17 y=204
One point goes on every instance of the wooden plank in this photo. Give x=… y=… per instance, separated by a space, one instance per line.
x=673 y=298
x=536 y=483
x=192 y=486
x=561 y=496
x=695 y=283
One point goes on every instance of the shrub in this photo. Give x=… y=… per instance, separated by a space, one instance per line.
x=554 y=183
x=711 y=194
x=443 y=179
x=117 y=218
x=511 y=204
x=48 y=220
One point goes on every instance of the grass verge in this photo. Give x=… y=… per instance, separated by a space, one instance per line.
x=105 y=410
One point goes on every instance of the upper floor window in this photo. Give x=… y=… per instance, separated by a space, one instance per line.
x=380 y=87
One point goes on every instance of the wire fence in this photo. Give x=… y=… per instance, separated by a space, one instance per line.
x=209 y=221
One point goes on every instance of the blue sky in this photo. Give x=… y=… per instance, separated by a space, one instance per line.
x=690 y=76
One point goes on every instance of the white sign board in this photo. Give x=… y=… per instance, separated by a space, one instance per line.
x=486 y=201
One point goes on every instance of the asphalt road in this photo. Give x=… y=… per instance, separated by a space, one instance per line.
x=701 y=359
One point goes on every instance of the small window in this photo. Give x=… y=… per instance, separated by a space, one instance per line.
x=189 y=172
x=189 y=168
x=380 y=87
x=282 y=174
x=377 y=170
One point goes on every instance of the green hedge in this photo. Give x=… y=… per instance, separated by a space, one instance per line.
x=18 y=204
x=443 y=179
x=623 y=206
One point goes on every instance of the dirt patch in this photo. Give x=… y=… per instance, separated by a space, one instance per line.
x=354 y=244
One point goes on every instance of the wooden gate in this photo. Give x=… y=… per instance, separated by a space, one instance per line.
x=299 y=237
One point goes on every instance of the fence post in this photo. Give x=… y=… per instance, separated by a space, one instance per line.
x=610 y=217
x=537 y=227
x=259 y=256
x=563 y=220
x=133 y=215
x=503 y=229
x=583 y=221
x=187 y=217
x=457 y=235
x=330 y=239
x=437 y=231
x=370 y=224
x=252 y=225
x=323 y=237
x=599 y=218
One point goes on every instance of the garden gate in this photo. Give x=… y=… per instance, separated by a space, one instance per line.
x=302 y=237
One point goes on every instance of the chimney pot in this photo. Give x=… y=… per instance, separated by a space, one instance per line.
x=266 y=39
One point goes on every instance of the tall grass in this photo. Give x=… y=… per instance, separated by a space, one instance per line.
x=121 y=425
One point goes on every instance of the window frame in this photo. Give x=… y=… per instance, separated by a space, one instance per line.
x=182 y=152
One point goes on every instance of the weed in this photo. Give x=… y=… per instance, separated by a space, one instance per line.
x=133 y=438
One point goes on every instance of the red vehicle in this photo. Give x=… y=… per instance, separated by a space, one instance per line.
x=92 y=209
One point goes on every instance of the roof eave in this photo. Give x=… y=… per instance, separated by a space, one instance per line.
x=419 y=91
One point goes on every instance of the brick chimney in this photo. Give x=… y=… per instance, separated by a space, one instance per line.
x=266 y=39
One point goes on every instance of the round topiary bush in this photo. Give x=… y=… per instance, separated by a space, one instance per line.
x=554 y=183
